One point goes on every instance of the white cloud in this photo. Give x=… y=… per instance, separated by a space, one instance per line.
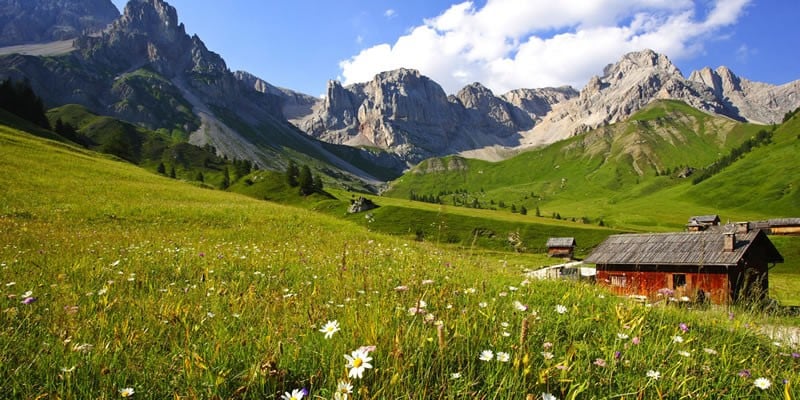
x=389 y=13
x=510 y=44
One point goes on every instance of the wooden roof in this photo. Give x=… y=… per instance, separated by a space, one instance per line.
x=684 y=248
x=561 y=242
x=705 y=219
x=784 y=222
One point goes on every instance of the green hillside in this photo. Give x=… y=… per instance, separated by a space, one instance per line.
x=628 y=175
x=115 y=280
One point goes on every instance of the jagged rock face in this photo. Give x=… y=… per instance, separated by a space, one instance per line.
x=407 y=113
x=625 y=88
x=39 y=21
x=538 y=102
x=149 y=33
x=754 y=101
x=293 y=104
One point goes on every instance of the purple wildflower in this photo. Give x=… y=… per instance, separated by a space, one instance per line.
x=745 y=373
x=617 y=355
x=684 y=327
x=636 y=340
x=28 y=300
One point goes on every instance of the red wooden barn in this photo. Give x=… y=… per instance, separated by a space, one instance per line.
x=720 y=267
x=561 y=247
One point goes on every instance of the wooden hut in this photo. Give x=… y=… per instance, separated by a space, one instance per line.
x=709 y=265
x=561 y=247
x=698 y=223
x=784 y=226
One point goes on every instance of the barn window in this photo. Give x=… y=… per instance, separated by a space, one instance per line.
x=618 y=280
x=678 y=280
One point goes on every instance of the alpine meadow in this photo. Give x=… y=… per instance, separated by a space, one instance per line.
x=173 y=229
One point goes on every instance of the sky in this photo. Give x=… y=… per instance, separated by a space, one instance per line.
x=503 y=44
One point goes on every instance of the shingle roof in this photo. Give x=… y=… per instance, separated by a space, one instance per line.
x=685 y=248
x=784 y=222
x=560 y=242
x=704 y=219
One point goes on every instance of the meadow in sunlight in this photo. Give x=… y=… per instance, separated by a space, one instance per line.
x=115 y=283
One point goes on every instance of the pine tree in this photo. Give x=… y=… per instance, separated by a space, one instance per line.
x=161 y=168
x=172 y=172
x=318 y=184
x=292 y=173
x=523 y=210
x=306 y=181
x=200 y=177
x=226 y=179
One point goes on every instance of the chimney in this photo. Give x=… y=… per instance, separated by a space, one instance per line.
x=729 y=241
x=742 y=227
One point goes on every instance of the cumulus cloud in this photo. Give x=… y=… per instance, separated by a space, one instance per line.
x=389 y=13
x=509 y=44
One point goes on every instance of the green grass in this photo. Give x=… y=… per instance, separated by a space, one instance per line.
x=618 y=174
x=176 y=291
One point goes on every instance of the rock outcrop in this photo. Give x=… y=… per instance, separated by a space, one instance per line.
x=641 y=77
x=753 y=101
x=409 y=114
x=40 y=21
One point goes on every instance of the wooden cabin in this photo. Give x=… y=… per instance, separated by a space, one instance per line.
x=699 y=223
x=561 y=247
x=784 y=226
x=722 y=267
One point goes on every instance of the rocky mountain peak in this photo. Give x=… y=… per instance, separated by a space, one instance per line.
x=39 y=21
x=645 y=60
x=474 y=94
x=155 y=18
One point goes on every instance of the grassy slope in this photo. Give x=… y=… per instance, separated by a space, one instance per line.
x=177 y=291
x=607 y=174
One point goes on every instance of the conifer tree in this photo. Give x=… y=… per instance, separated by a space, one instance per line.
x=306 y=181
x=292 y=173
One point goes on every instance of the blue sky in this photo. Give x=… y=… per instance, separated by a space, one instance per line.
x=504 y=44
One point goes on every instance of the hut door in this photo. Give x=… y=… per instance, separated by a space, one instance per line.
x=678 y=281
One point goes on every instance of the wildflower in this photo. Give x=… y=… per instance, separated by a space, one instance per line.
x=427 y=282
x=561 y=309
x=744 y=373
x=654 y=375
x=677 y=339
x=126 y=392
x=636 y=340
x=548 y=396
x=513 y=288
x=486 y=355
x=330 y=328
x=622 y=336
x=599 y=362
x=762 y=383
x=367 y=349
x=102 y=291
x=296 y=394
x=343 y=390
x=470 y=290
x=29 y=293
x=710 y=351
x=67 y=370
x=547 y=345
x=685 y=353
x=617 y=355
x=358 y=361
x=503 y=356
x=684 y=328
x=519 y=306
x=482 y=304
x=547 y=355
x=28 y=300
x=455 y=375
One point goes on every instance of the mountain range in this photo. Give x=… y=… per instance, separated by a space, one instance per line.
x=143 y=67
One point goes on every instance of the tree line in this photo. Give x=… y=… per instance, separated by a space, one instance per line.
x=763 y=137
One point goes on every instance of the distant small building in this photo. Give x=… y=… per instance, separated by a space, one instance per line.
x=784 y=226
x=710 y=265
x=699 y=223
x=561 y=247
